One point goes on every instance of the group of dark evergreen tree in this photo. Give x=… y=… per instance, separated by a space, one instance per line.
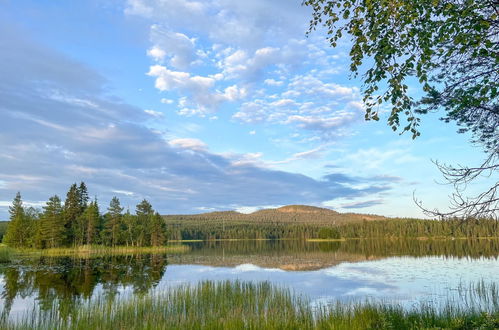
x=79 y=222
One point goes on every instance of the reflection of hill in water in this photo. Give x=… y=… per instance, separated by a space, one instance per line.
x=299 y=255
x=65 y=281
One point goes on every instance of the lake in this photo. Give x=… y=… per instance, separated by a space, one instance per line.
x=406 y=272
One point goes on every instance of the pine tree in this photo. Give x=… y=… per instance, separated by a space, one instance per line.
x=113 y=222
x=19 y=228
x=51 y=227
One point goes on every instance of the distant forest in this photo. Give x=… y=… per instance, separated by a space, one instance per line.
x=78 y=221
x=306 y=222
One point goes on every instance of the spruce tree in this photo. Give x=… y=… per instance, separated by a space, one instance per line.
x=113 y=222
x=83 y=196
x=158 y=230
x=18 y=228
x=92 y=220
x=72 y=210
x=51 y=227
x=144 y=213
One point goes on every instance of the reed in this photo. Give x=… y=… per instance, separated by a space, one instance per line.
x=100 y=250
x=243 y=305
x=6 y=254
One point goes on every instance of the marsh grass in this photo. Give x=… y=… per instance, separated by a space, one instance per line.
x=480 y=295
x=246 y=305
x=6 y=254
x=99 y=250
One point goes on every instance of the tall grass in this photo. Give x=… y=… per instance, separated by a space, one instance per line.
x=100 y=250
x=243 y=305
x=480 y=295
x=6 y=254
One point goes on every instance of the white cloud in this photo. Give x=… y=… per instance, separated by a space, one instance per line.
x=241 y=65
x=204 y=99
x=314 y=153
x=167 y=101
x=339 y=119
x=189 y=143
x=272 y=82
x=154 y=113
x=156 y=53
x=178 y=47
x=123 y=192
x=167 y=80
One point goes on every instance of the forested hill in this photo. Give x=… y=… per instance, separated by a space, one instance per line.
x=296 y=214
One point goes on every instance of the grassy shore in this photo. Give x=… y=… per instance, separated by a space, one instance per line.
x=6 y=253
x=244 y=305
x=100 y=250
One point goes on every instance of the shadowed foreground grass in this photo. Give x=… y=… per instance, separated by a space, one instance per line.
x=243 y=305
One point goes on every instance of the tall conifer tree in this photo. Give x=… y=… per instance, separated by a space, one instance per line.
x=113 y=222
x=17 y=234
x=144 y=213
x=51 y=227
x=158 y=230
x=92 y=221
x=72 y=210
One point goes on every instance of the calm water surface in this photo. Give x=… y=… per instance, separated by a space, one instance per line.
x=406 y=272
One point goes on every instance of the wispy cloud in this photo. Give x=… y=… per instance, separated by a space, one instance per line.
x=85 y=134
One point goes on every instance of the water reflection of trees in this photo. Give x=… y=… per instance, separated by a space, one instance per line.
x=458 y=248
x=67 y=281
x=302 y=255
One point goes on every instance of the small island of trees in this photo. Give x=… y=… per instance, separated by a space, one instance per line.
x=78 y=221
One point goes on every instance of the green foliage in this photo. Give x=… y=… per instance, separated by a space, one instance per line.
x=279 y=225
x=79 y=223
x=329 y=233
x=92 y=219
x=112 y=222
x=449 y=46
x=6 y=254
x=14 y=235
x=247 y=305
x=74 y=207
x=21 y=226
x=3 y=229
x=51 y=226
x=158 y=230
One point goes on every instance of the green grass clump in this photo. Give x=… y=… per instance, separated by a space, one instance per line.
x=6 y=254
x=101 y=250
x=246 y=305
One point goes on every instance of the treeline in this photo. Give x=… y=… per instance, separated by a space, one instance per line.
x=413 y=228
x=78 y=221
x=395 y=228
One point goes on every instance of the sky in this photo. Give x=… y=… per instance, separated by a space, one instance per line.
x=201 y=106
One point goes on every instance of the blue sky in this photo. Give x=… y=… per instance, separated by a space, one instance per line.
x=201 y=106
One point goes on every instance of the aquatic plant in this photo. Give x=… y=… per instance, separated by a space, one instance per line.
x=101 y=250
x=245 y=305
x=6 y=254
